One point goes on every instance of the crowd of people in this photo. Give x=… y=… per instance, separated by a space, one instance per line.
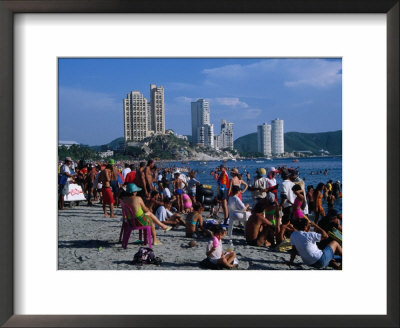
x=285 y=212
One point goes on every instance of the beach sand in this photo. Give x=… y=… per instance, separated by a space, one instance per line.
x=89 y=241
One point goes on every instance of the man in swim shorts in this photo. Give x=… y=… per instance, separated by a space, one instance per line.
x=107 y=195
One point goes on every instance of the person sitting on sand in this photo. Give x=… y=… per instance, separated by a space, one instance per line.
x=154 y=202
x=215 y=254
x=272 y=213
x=165 y=215
x=143 y=216
x=304 y=243
x=187 y=203
x=259 y=230
x=194 y=220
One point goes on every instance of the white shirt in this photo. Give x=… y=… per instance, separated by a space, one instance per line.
x=167 y=193
x=270 y=182
x=305 y=243
x=259 y=183
x=216 y=255
x=287 y=186
x=162 y=213
x=125 y=171
x=159 y=177
x=236 y=208
x=65 y=169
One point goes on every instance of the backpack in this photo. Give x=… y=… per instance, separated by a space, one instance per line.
x=145 y=255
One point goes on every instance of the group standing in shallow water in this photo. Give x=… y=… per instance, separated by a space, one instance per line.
x=168 y=198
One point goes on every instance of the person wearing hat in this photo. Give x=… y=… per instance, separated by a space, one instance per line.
x=237 y=181
x=259 y=185
x=143 y=216
x=63 y=185
x=272 y=186
x=223 y=183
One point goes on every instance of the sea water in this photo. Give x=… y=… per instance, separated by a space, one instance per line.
x=311 y=170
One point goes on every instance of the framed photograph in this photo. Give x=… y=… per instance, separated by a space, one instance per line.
x=51 y=56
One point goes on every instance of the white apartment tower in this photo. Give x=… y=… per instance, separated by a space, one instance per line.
x=135 y=117
x=264 y=139
x=202 y=130
x=277 y=138
x=226 y=137
x=157 y=118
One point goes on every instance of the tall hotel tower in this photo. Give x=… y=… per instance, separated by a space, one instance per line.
x=264 y=139
x=135 y=117
x=226 y=137
x=277 y=138
x=202 y=130
x=157 y=118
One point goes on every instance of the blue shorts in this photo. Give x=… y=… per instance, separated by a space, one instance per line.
x=327 y=256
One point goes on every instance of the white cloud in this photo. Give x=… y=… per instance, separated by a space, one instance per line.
x=251 y=113
x=184 y=99
x=229 y=101
x=238 y=70
x=318 y=73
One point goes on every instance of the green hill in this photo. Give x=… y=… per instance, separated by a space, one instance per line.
x=112 y=145
x=296 y=141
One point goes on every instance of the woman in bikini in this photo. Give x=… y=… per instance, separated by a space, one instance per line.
x=142 y=214
x=271 y=213
x=194 y=220
x=236 y=180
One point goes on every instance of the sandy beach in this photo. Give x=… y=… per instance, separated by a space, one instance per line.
x=89 y=241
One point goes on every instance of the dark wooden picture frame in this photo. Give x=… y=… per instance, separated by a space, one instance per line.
x=10 y=7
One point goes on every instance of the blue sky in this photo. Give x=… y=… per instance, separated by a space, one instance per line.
x=305 y=93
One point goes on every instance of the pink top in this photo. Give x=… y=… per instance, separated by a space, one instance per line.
x=297 y=212
x=215 y=242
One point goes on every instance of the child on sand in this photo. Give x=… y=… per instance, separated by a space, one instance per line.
x=194 y=220
x=215 y=254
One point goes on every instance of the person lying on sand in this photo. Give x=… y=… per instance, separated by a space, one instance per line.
x=165 y=215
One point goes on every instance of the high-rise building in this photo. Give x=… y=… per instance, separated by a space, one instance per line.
x=157 y=109
x=277 y=137
x=264 y=139
x=149 y=127
x=202 y=130
x=226 y=137
x=135 y=117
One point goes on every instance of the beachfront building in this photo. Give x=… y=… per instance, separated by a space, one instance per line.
x=264 y=139
x=135 y=117
x=226 y=136
x=217 y=142
x=202 y=130
x=277 y=137
x=157 y=110
x=149 y=115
